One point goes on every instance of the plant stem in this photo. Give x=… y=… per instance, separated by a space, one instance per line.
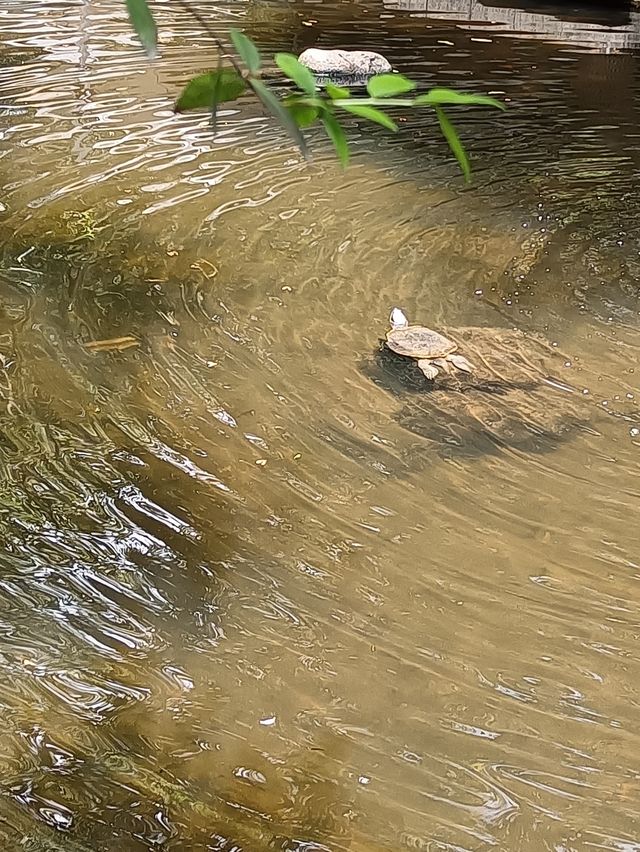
x=205 y=26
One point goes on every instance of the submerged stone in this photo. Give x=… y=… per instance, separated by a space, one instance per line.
x=509 y=402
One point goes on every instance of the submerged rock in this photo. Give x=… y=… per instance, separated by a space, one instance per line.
x=511 y=401
x=344 y=63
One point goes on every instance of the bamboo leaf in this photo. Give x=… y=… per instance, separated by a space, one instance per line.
x=370 y=113
x=208 y=90
x=303 y=114
x=337 y=93
x=451 y=135
x=389 y=85
x=444 y=97
x=296 y=71
x=276 y=109
x=336 y=134
x=143 y=23
x=247 y=51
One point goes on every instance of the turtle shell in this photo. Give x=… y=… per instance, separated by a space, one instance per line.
x=416 y=341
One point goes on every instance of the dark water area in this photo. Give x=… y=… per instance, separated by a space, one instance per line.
x=261 y=586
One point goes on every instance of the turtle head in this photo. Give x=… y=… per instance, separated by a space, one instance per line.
x=398 y=319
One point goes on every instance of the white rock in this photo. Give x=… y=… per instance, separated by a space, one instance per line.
x=344 y=63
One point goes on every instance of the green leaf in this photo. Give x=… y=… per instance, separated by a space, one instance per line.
x=389 y=85
x=303 y=114
x=370 y=113
x=144 y=25
x=296 y=71
x=450 y=134
x=276 y=109
x=247 y=51
x=336 y=134
x=441 y=97
x=207 y=90
x=337 y=93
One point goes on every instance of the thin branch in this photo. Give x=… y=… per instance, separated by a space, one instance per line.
x=211 y=32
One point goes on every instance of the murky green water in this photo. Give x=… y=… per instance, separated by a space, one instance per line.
x=259 y=589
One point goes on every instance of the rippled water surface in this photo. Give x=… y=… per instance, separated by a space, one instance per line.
x=260 y=586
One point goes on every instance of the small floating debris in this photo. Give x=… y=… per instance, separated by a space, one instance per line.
x=224 y=417
x=113 y=344
x=253 y=776
x=256 y=440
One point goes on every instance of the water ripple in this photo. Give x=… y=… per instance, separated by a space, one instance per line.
x=260 y=586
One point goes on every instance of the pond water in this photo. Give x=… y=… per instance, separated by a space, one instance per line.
x=260 y=588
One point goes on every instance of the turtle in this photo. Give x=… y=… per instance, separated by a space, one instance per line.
x=433 y=351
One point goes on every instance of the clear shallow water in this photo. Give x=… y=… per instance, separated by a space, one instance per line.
x=258 y=588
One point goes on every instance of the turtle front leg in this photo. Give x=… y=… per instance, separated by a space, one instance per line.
x=428 y=368
x=443 y=364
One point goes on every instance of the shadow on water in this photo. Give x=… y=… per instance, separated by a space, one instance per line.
x=107 y=512
x=614 y=14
